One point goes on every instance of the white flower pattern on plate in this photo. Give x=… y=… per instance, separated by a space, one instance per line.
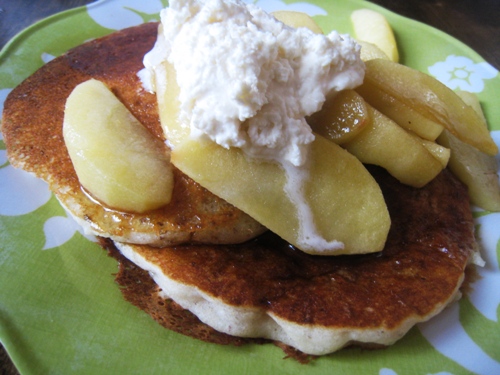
x=447 y=335
x=59 y=229
x=47 y=57
x=120 y=14
x=3 y=96
x=459 y=72
x=21 y=192
x=388 y=371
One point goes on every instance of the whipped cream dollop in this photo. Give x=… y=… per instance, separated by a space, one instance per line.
x=247 y=80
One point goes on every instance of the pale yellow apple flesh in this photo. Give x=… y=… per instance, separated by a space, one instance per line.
x=473 y=167
x=370 y=51
x=346 y=202
x=441 y=153
x=401 y=113
x=371 y=26
x=341 y=118
x=116 y=159
x=477 y=169
x=376 y=139
x=383 y=142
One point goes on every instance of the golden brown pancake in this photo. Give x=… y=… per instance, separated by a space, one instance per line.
x=338 y=301
x=32 y=130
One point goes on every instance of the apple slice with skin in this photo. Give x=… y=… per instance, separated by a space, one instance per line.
x=383 y=142
x=346 y=204
x=441 y=153
x=473 y=167
x=370 y=51
x=341 y=118
x=115 y=158
x=371 y=26
x=431 y=99
x=402 y=114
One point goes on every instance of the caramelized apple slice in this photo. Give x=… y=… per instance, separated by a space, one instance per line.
x=115 y=158
x=341 y=118
x=385 y=143
x=402 y=114
x=431 y=99
x=473 y=167
x=441 y=153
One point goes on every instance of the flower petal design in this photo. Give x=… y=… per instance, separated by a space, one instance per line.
x=387 y=371
x=485 y=296
x=120 y=14
x=3 y=96
x=59 y=230
x=21 y=192
x=447 y=335
x=459 y=72
x=47 y=57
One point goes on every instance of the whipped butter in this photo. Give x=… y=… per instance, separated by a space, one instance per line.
x=247 y=80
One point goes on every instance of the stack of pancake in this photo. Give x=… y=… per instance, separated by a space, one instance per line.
x=201 y=267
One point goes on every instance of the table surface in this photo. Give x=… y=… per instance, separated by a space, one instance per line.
x=474 y=22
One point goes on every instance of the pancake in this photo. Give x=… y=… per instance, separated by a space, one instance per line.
x=267 y=289
x=32 y=129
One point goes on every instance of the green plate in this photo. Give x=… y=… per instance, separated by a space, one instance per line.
x=61 y=312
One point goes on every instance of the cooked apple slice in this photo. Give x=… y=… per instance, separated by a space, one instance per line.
x=371 y=26
x=472 y=100
x=341 y=118
x=402 y=114
x=384 y=143
x=297 y=19
x=115 y=158
x=345 y=202
x=370 y=51
x=440 y=152
x=473 y=167
x=430 y=98
x=167 y=95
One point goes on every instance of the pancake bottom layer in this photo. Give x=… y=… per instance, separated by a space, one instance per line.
x=266 y=288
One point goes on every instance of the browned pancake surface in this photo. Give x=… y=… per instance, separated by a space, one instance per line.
x=32 y=129
x=418 y=272
x=139 y=289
